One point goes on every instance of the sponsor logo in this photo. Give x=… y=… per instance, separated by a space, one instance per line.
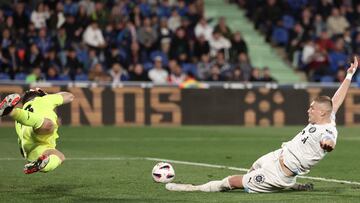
x=259 y=178
x=312 y=130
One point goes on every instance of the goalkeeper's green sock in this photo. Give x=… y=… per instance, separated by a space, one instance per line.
x=54 y=162
x=27 y=118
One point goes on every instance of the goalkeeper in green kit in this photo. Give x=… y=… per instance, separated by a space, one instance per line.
x=36 y=126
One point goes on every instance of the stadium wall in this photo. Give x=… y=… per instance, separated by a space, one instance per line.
x=136 y=106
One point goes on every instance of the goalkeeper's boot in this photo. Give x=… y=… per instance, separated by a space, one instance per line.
x=181 y=187
x=8 y=103
x=37 y=165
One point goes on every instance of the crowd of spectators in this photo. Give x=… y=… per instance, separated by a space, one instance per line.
x=319 y=36
x=163 y=41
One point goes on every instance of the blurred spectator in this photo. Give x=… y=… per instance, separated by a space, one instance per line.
x=318 y=64
x=223 y=28
x=72 y=62
x=57 y=17
x=245 y=66
x=34 y=57
x=164 y=31
x=21 y=19
x=70 y=7
x=10 y=61
x=93 y=36
x=174 y=21
x=9 y=25
x=179 y=47
x=217 y=43
x=337 y=57
x=238 y=45
x=6 y=39
x=215 y=75
x=52 y=74
x=224 y=66
x=157 y=74
x=118 y=73
x=100 y=15
x=266 y=75
x=204 y=67
x=266 y=16
x=147 y=37
x=336 y=22
x=40 y=15
x=237 y=75
x=93 y=59
x=319 y=25
x=255 y=75
x=203 y=29
x=97 y=74
x=324 y=41
x=51 y=59
x=164 y=9
x=88 y=6
x=43 y=42
x=72 y=29
x=176 y=74
x=340 y=75
x=82 y=17
x=308 y=51
x=138 y=73
x=35 y=75
x=201 y=47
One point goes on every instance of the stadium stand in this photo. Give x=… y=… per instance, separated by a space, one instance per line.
x=320 y=37
x=76 y=40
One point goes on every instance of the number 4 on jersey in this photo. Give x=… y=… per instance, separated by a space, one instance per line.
x=304 y=139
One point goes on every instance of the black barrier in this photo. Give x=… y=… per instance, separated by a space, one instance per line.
x=130 y=106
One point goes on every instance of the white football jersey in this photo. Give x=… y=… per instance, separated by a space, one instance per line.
x=304 y=151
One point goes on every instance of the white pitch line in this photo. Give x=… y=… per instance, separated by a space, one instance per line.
x=187 y=163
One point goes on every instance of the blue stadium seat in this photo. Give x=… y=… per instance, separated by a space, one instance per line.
x=81 y=77
x=148 y=66
x=280 y=36
x=64 y=78
x=20 y=76
x=189 y=68
x=288 y=21
x=164 y=57
x=4 y=76
x=337 y=59
x=326 y=79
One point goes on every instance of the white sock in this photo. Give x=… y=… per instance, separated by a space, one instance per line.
x=216 y=186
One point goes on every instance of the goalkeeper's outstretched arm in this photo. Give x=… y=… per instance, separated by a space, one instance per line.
x=340 y=94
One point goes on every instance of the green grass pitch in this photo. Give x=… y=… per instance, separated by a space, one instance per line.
x=101 y=168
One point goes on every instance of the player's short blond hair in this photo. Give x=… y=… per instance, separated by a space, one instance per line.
x=325 y=100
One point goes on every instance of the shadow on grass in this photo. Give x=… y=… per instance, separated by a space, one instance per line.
x=67 y=193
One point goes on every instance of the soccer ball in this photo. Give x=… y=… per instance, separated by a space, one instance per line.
x=163 y=173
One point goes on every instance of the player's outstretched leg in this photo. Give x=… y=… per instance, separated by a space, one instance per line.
x=212 y=186
x=8 y=103
x=47 y=162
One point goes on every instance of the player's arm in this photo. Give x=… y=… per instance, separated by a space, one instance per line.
x=328 y=141
x=340 y=94
x=57 y=99
x=67 y=97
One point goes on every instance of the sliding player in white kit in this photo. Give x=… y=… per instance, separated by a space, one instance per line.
x=277 y=170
